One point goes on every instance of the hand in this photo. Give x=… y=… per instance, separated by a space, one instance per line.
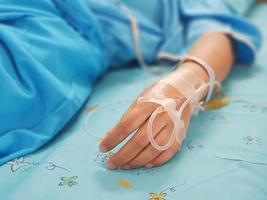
x=138 y=152
x=216 y=49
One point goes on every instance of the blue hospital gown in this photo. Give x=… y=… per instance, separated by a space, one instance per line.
x=52 y=52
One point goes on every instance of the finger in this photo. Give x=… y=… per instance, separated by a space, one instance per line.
x=114 y=137
x=165 y=156
x=130 y=121
x=150 y=153
x=137 y=143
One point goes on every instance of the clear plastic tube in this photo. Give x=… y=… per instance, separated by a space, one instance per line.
x=193 y=97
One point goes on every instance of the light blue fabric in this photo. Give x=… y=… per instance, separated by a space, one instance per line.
x=52 y=51
x=172 y=27
x=239 y=7
x=47 y=70
x=207 y=166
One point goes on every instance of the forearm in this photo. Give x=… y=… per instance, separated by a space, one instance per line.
x=216 y=50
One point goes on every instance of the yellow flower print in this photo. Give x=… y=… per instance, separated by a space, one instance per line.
x=125 y=184
x=160 y=196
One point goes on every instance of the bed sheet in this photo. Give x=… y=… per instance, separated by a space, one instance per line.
x=223 y=157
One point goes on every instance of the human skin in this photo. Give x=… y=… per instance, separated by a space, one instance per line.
x=216 y=50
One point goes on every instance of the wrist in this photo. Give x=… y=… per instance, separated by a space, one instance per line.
x=197 y=69
x=189 y=77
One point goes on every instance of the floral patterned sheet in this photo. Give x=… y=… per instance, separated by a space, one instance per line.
x=223 y=157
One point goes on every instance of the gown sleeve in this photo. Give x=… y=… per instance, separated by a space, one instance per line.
x=200 y=17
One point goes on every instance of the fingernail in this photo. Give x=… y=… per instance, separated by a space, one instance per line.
x=111 y=165
x=126 y=167
x=150 y=165
x=103 y=148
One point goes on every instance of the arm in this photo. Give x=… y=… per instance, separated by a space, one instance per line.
x=213 y=48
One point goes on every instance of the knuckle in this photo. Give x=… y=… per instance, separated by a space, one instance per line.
x=125 y=125
x=143 y=137
x=139 y=143
x=122 y=125
x=115 y=159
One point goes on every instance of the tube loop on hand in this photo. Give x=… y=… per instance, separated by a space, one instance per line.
x=192 y=95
